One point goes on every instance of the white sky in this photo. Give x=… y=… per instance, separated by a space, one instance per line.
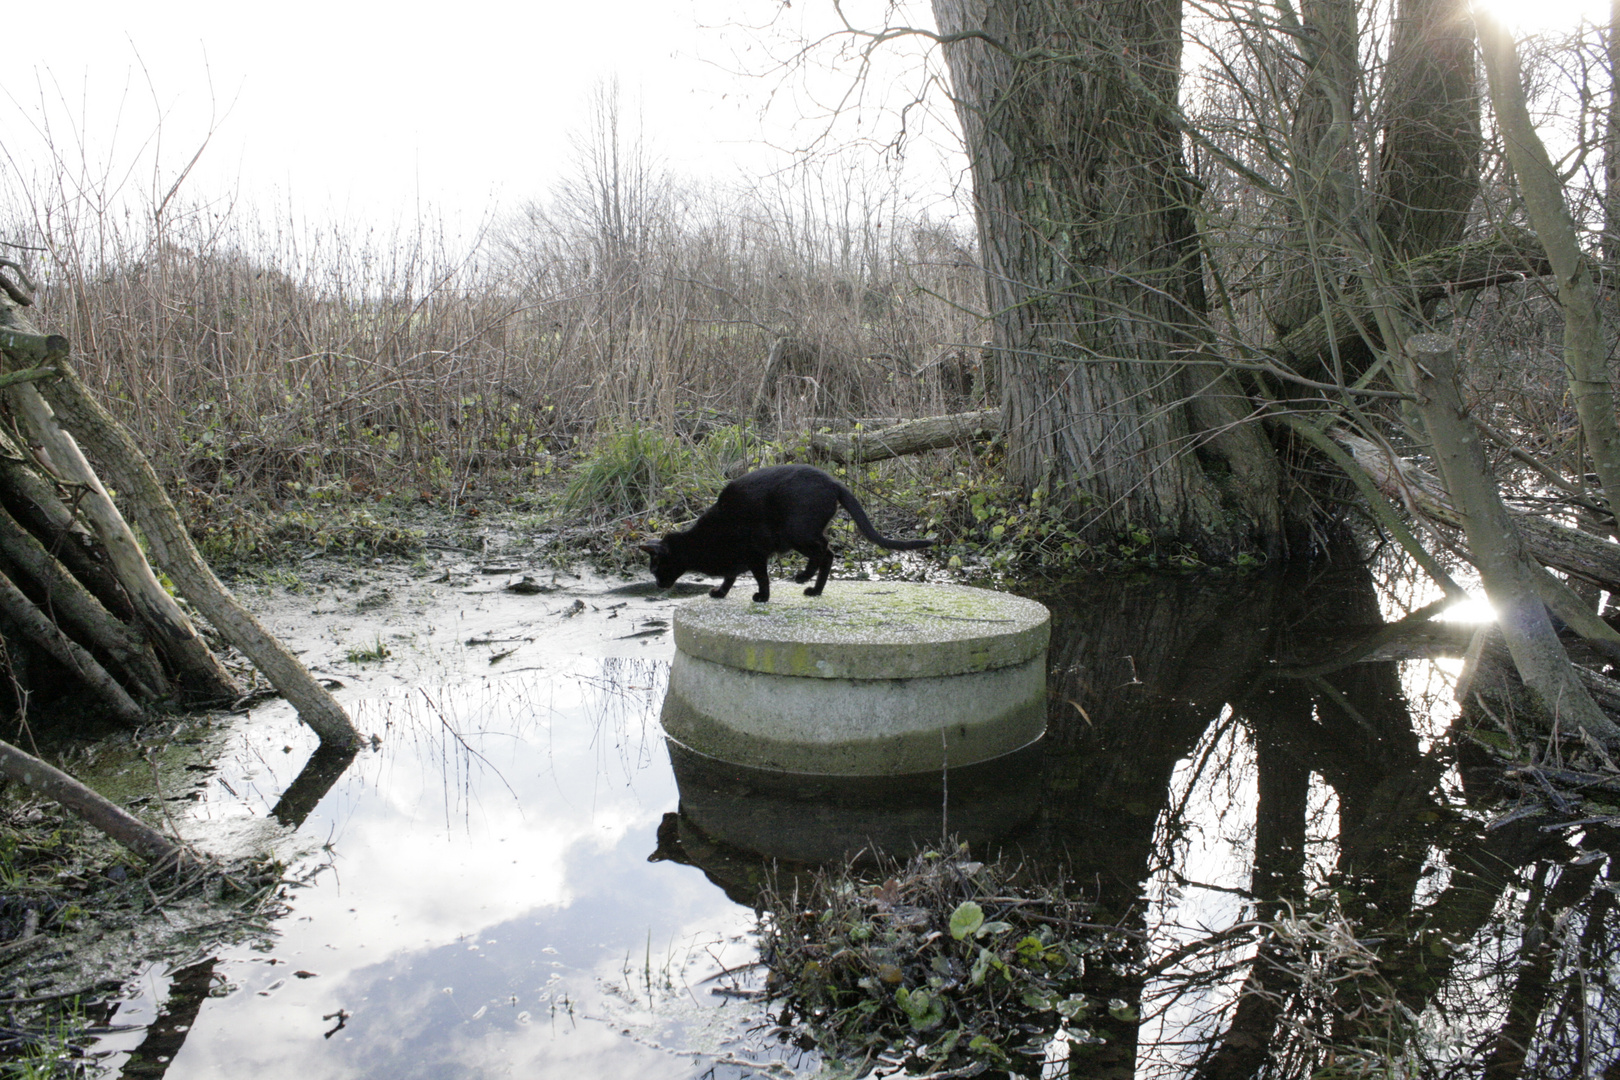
x=360 y=110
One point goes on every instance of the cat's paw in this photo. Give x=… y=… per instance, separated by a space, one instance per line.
x=803 y=576
x=761 y=597
x=813 y=591
x=719 y=594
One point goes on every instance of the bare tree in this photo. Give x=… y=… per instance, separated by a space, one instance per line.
x=1094 y=271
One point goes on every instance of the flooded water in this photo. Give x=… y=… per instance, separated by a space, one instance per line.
x=514 y=882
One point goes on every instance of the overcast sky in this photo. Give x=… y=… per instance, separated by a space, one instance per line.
x=364 y=109
x=370 y=110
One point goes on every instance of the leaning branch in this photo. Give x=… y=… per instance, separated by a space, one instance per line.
x=1510 y=255
x=1586 y=353
x=1505 y=564
x=108 y=816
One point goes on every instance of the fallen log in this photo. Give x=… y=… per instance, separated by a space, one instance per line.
x=909 y=437
x=104 y=814
x=849 y=423
x=1554 y=545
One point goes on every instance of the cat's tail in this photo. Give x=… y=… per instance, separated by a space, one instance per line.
x=864 y=523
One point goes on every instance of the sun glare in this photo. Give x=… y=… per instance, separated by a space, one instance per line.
x=1546 y=16
x=1475 y=609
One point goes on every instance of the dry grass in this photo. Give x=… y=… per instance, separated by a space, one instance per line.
x=259 y=359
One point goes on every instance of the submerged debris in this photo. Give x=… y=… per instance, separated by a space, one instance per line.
x=943 y=965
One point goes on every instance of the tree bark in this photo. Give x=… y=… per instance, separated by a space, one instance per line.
x=1499 y=552
x=1429 y=160
x=1320 y=157
x=1094 y=272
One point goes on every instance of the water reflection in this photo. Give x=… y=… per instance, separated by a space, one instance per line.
x=474 y=900
x=1307 y=857
x=804 y=818
x=1310 y=878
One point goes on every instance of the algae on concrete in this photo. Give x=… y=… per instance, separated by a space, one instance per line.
x=866 y=630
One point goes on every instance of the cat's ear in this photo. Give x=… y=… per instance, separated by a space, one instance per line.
x=655 y=548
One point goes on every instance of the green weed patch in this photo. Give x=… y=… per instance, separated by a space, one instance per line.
x=947 y=963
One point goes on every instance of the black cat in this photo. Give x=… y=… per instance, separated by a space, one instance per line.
x=778 y=509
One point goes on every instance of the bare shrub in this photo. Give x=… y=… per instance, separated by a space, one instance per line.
x=262 y=356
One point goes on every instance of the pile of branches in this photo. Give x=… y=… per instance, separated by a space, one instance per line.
x=943 y=966
x=77 y=591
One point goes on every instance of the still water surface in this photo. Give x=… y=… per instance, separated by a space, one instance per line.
x=478 y=899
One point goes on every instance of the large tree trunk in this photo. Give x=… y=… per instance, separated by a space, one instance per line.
x=1320 y=154
x=1611 y=146
x=1341 y=248
x=1429 y=161
x=1094 y=275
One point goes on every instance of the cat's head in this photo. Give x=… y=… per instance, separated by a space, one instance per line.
x=666 y=565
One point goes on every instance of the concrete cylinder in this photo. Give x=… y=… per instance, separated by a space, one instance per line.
x=868 y=679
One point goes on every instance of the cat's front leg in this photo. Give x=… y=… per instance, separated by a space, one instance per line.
x=762 y=576
x=720 y=590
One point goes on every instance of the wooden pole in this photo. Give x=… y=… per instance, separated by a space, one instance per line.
x=173 y=550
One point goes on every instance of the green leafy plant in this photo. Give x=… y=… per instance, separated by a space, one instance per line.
x=636 y=471
x=953 y=963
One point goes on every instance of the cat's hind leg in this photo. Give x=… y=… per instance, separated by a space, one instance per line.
x=761 y=569
x=820 y=564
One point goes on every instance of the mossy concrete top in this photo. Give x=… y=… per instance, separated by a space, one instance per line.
x=866 y=630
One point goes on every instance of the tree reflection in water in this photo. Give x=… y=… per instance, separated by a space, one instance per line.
x=1310 y=884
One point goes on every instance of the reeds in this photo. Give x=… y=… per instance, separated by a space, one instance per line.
x=260 y=356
